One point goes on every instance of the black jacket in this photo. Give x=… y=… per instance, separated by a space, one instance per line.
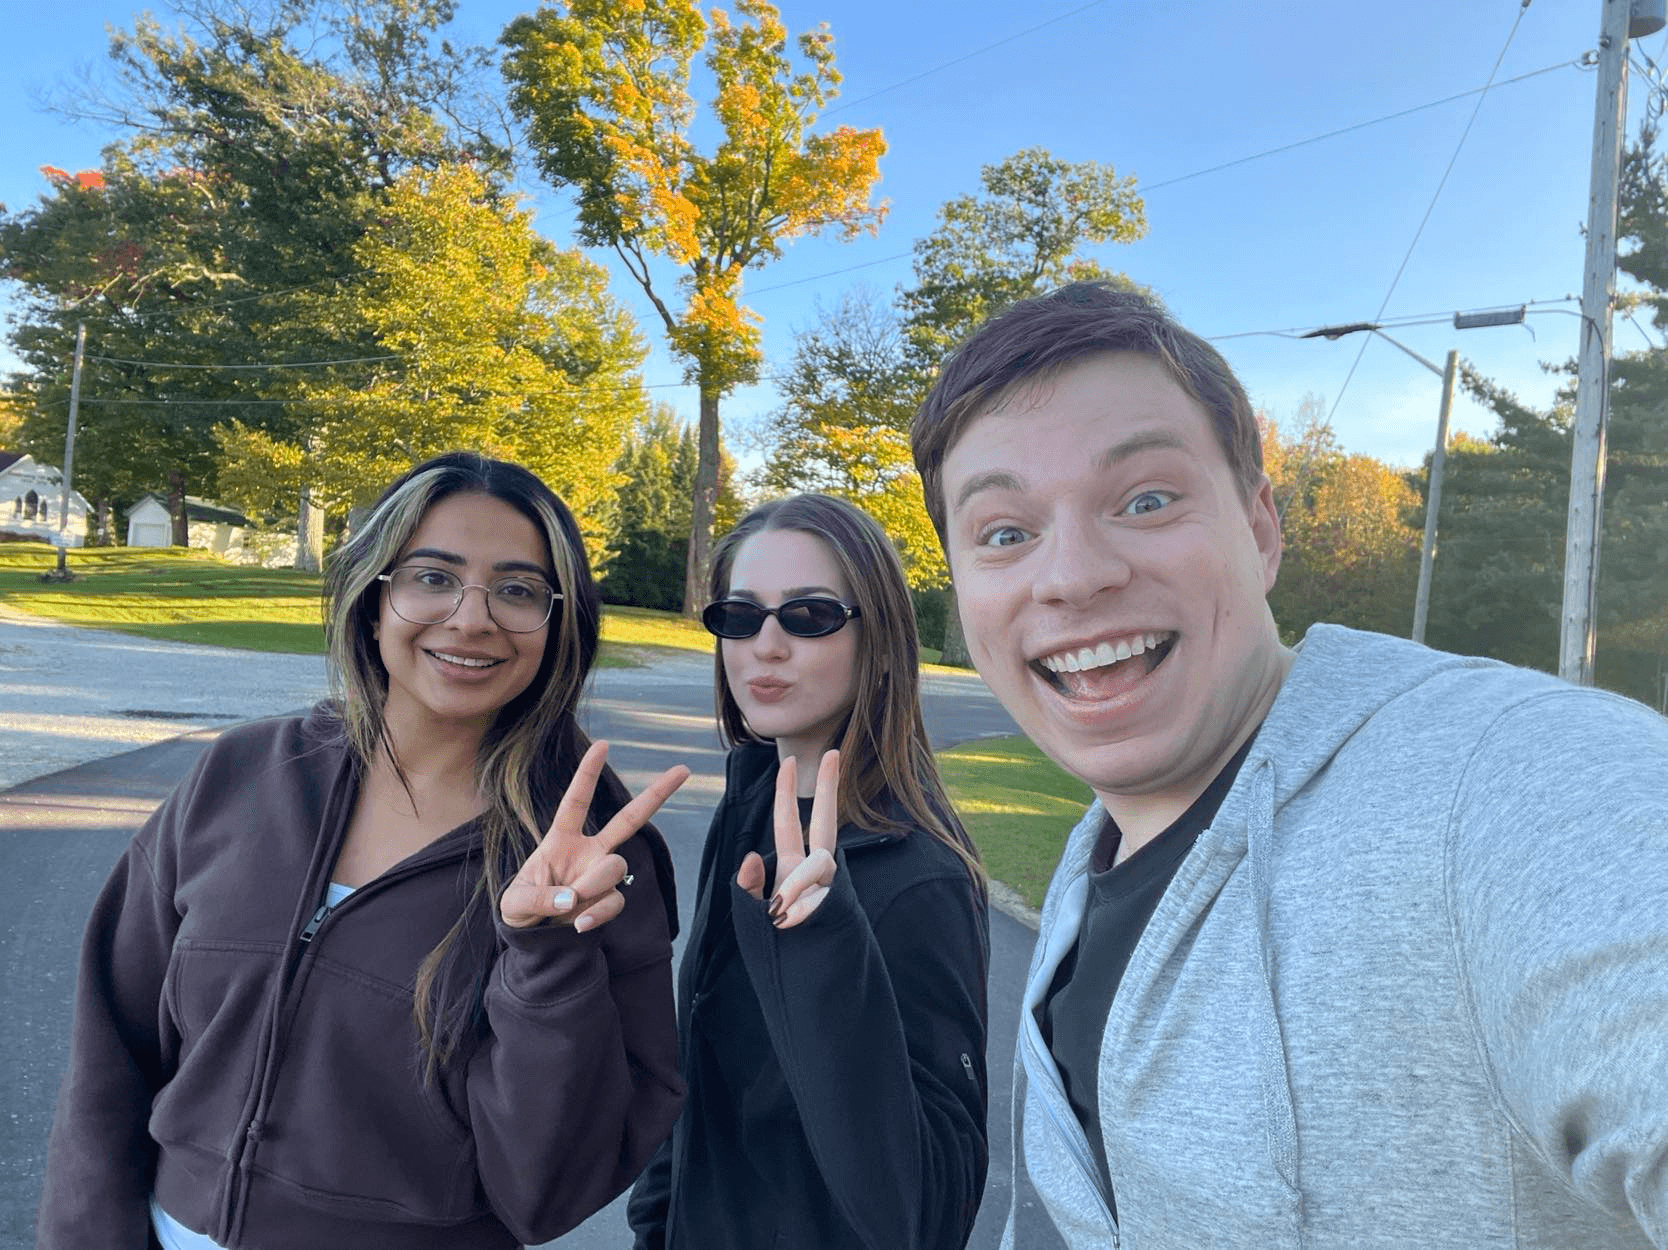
x=835 y=1070
x=256 y=1067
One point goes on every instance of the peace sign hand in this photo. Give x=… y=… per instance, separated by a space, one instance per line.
x=802 y=879
x=571 y=877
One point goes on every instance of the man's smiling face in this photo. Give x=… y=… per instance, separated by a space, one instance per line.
x=1112 y=579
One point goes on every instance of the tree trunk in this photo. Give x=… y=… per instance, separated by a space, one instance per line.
x=309 y=535
x=176 y=509
x=955 y=645
x=102 y=533
x=701 y=504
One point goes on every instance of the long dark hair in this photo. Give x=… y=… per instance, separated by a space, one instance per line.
x=886 y=759
x=533 y=745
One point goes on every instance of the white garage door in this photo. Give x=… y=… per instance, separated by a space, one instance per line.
x=154 y=535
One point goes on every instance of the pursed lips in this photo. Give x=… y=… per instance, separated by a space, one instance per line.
x=768 y=689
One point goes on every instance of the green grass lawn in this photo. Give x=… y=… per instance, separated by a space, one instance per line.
x=1017 y=806
x=186 y=596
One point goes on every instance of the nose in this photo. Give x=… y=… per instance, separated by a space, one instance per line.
x=472 y=613
x=771 y=642
x=1080 y=559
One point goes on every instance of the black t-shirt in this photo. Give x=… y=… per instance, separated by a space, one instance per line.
x=1121 y=901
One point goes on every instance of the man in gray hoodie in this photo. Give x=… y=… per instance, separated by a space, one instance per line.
x=1360 y=944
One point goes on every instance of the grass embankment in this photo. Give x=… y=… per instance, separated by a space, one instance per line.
x=192 y=596
x=1017 y=806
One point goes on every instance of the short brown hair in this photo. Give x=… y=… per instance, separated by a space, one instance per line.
x=1037 y=338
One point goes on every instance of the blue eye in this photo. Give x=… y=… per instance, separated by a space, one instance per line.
x=1148 y=501
x=1003 y=536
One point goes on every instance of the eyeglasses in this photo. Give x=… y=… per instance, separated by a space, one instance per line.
x=803 y=618
x=427 y=596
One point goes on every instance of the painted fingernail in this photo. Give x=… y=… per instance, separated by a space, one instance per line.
x=562 y=900
x=583 y=923
x=775 y=906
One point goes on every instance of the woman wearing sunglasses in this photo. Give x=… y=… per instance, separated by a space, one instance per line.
x=832 y=994
x=363 y=979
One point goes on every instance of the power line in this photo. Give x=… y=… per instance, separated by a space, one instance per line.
x=1344 y=130
x=337 y=401
x=296 y=364
x=181 y=309
x=834 y=273
x=1217 y=168
x=966 y=56
x=1429 y=209
x=1409 y=319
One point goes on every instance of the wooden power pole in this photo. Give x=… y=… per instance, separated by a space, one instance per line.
x=1598 y=298
x=62 y=572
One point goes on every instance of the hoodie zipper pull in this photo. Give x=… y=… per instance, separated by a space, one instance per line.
x=312 y=928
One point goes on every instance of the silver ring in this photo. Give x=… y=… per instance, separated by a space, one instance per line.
x=626 y=880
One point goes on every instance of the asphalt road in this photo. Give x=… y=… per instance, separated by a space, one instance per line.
x=60 y=834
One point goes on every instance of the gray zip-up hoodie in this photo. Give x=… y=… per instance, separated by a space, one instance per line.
x=1410 y=988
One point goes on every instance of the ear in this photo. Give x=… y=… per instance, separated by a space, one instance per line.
x=1265 y=530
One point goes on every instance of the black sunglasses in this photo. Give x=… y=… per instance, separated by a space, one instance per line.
x=803 y=618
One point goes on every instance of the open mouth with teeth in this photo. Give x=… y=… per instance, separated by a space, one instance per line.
x=465 y=661
x=1106 y=669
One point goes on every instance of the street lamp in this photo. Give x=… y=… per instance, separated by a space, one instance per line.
x=1439 y=457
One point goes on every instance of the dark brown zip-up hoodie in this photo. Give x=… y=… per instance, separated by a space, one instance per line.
x=269 y=1089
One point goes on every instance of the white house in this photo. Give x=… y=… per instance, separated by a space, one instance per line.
x=209 y=526
x=30 y=497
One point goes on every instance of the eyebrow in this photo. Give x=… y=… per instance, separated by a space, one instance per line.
x=1134 y=445
x=452 y=557
x=792 y=592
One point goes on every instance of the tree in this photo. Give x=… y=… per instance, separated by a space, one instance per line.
x=1024 y=236
x=260 y=141
x=489 y=339
x=1499 y=582
x=604 y=88
x=1350 y=546
x=843 y=426
x=106 y=248
x=11 y=420
x=658 y=468
x=850 y=371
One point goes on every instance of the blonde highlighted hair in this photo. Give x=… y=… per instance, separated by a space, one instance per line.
x=534 y=744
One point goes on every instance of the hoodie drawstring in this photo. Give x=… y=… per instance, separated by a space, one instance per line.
x=1273 y=1075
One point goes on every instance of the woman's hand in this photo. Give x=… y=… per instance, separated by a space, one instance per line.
x=802 y=879
x=574 y=878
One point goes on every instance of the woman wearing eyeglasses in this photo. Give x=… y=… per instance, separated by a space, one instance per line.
x=363 y=979
x=832 y=995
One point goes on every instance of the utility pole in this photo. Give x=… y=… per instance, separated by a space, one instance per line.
x=1576 y=642
x=63 y=573
x=1433 y=499
x=1439 y=455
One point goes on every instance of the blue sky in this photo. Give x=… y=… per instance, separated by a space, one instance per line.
x=1310 y=236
